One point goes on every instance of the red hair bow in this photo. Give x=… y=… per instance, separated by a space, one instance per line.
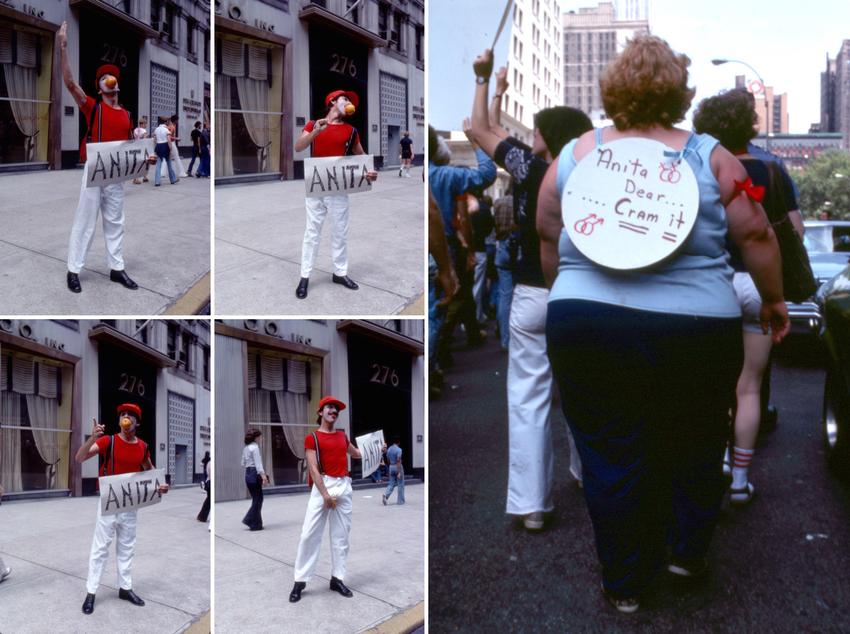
x=755 y=192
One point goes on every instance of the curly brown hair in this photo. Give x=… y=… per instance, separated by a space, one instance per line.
x=646 y=85
x=728 y=117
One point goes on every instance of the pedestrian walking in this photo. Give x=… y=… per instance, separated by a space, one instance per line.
x=329 y=136
x=124 y=452
x=407 y=155
x=106 y=121
x=204 y=168
x=196 y=147
x=162 y=135
x=330 y=500
x=139 y=133
x=204 y=513
x=396 y=472
x=646 y=374
x=255 y=477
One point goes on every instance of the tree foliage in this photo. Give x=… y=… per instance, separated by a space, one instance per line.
x=825 y=186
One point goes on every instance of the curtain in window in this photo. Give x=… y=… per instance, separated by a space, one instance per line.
x=47 y=381
x=23 y=375
x=232 y=58
x=10 y=442
x=271 y=370
x=43 y=413
x=254 y=96
x=223 y=146
x=21 y=83
x=296 y=374
x=293 y=414
x=260 y=414
x=252 y=371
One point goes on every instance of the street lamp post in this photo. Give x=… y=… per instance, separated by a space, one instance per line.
x=767 y=117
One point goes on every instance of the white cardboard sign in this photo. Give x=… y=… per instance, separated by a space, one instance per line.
x=337 y=175
x=130 y=491
x=371 y=447
x=627 y=205
x=116 y=161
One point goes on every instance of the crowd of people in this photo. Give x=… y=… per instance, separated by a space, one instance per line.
x=655 y=464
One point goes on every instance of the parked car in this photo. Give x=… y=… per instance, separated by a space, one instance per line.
x=828 y=245
x=834 y=299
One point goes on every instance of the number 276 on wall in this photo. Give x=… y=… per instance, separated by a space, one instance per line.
x=342 y=65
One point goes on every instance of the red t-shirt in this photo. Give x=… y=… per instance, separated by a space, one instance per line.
x=117 y=125
x=332 y=140
x=333 y=452
x=128 y=456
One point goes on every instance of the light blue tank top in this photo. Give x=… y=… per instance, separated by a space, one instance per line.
x=696 y=280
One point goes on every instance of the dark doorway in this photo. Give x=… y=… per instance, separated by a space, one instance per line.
x=339 y=64
x=125 y=378
x=379 y=383
x=107 y=41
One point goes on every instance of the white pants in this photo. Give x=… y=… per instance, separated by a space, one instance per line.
x=530 y=455
x=177 y=162
x=314 y=523
x=107 y=527
x=317 y=209
x=109 y=201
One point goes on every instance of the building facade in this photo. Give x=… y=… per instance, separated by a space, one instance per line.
x=797 y=150
x=162 y=48
x=278 y=59
x=271 y=375
x=770 y=108
x=835 y=95
x=58 y=375
x=534 y=60
x=593 y=37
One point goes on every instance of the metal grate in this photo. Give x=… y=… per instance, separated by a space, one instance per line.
x=181 y=431
x=393 y=92
x=163 y=92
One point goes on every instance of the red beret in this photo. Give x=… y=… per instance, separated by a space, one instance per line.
x=106 y=69
x=330 y=400
x=351 y=96
x=132 y=408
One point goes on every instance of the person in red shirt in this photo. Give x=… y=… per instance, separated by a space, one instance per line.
x=107 y=121
x=330 y=499
x=329 y=136
x=121 y=453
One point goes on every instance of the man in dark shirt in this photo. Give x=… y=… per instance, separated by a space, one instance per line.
x=529 y=377
x=196 y=147
x=406 y=146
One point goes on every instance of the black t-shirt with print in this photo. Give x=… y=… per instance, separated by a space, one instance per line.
x=527 y=171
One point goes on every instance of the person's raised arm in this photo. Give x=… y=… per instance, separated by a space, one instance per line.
x=88 y=449
x=480 y=131
x=549 y=223
x=77 y=93
x=752 y=234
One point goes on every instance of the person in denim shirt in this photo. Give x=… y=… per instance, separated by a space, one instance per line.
x=396 y=472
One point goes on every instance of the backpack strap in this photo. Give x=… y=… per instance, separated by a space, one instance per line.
x=110 y=457
x=350 y=144
x=94 y=113
x=318 y=455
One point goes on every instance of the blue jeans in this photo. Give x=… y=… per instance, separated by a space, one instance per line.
x=505 y=290
x=171 y=176
x=254 y=518
x=195 y=155
x=395 y=481
x=436 y=314
x=204 y=169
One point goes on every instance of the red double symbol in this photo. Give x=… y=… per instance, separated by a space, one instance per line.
x=669 y=173
x=585 y=226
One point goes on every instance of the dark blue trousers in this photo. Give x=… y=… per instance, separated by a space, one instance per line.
x=646 y=396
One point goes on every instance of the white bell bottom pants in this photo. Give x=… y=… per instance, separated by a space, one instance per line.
x=314 y=524
x=108 y=527
x=530 y=388
x=109 y=201
x=317 y=209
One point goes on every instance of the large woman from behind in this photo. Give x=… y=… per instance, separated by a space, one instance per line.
x=729 y=117
x=646 y=360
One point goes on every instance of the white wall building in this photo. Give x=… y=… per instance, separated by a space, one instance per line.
x=534 y=60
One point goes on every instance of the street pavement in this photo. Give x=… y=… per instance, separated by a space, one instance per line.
x=782 y=564
x=166 y=246
x=47 y=542
x=259 y=230
x=253 y=570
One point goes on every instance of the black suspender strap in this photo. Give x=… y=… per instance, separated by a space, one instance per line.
x=110 y=457
x=350 y=144
x=318 y=455
x=94 y=113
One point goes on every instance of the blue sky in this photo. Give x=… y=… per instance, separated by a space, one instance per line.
x=786 y=41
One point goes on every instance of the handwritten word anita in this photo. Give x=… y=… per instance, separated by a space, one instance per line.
x=122 y=164
x=132 y=494
x=331 y=182
x=633 y=167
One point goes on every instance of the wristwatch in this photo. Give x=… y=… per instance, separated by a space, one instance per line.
x=481 y=80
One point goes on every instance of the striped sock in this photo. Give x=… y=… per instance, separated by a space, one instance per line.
x=741 y=466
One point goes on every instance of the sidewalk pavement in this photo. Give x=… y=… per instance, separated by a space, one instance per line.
x=259 y=231
x=253 y=570
x=47 y=542
x=166 y=246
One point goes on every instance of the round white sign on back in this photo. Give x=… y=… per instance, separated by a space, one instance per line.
x=627 y=205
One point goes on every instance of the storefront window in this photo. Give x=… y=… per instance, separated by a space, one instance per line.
x=248 y=95
x=35 y=422
x=283 y=395
x=25 y=67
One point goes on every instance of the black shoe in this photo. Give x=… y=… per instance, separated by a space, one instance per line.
x=74 y=283
x=295 y=595
x=129 y=595
x=339 y=586
x=88 y=604
x=301 y=291
x=122 y=278
x=345 y=281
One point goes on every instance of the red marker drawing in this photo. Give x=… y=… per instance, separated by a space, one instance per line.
x=669 y=173
x=585 y=226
